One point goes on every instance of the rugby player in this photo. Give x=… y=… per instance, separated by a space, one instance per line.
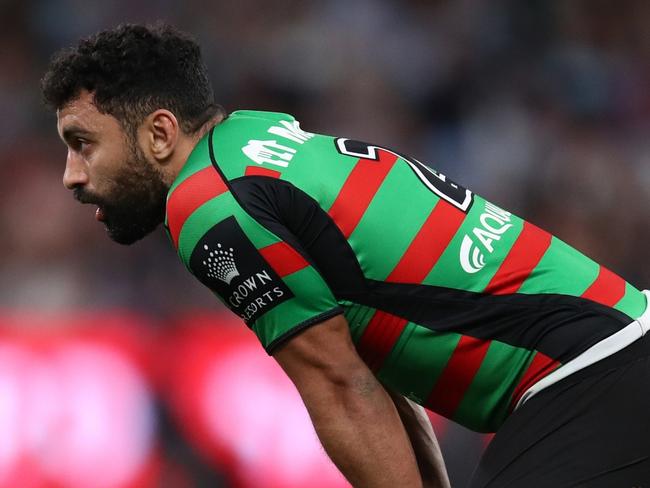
x=377 y=283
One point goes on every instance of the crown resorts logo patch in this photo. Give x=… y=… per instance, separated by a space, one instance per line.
x=228 y=263
x=221 y=264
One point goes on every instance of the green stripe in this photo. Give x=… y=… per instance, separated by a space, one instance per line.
x=310 y=286
x=214 y=211
x=202 y=220
x=562 y=270
x=417 y=360
x=260 y=115
x=448 y=271
x=485 y=404
x=320 y=150
x=633 y=303
x=377 y=261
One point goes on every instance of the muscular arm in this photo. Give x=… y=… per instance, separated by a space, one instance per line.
x=354 y=417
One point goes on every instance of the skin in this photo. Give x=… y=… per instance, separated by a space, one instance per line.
x=355 y=418
x=423 y=440
x=127 y=179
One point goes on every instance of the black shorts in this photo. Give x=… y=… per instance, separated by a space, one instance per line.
x=591 y=429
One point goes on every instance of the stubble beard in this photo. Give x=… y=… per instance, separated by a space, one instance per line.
x=134 y=205
x=138 y=200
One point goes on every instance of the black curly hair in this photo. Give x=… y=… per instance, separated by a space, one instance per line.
x=133 y=70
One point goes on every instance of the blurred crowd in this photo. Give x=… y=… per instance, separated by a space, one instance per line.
x=542 y=107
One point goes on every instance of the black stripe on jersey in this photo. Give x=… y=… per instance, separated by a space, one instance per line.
x=556 y=325
x=301 y=222
x=560 y=326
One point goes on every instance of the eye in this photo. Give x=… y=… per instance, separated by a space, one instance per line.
x=80 y=144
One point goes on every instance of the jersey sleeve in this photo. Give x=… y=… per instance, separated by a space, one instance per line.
x=260 y=277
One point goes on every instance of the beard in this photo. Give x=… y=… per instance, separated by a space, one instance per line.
x=134 y=205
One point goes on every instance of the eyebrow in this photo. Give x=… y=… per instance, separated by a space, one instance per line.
x=73 y=131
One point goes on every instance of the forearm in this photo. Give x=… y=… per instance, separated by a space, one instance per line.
x=362 y=433
x=425 y=445
x=353 y=415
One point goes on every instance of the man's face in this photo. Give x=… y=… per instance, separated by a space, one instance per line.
x=106 y=168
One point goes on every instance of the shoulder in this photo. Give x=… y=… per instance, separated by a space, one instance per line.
x=250 y=142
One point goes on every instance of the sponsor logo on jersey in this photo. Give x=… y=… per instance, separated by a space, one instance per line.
x=229 y=264
x=273 y=152
x=269 y=152
x=495 y=222
x=221 y=263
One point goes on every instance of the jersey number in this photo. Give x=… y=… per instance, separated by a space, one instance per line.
x=438 y=183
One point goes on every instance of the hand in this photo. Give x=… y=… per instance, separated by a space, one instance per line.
x=424 y=442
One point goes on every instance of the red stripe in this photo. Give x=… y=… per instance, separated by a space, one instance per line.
x=283 y=258
x=261 y=171
x=358 y=190
x=524 y=255
x=540 y=366
x=457 y=376
x=379 y=337
x=428 y=245
x=190 y=195
x=607 y=289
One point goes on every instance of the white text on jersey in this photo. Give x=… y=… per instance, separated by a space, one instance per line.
x=494 y=223
x=272 y=152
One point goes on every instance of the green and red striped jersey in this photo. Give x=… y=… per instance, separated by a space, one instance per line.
x=451 y=301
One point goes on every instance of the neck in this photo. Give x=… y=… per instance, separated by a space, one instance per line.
x=186 y=145
x=213 y=121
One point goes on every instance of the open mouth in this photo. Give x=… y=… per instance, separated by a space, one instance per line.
x=85 y=199
x=99 y=214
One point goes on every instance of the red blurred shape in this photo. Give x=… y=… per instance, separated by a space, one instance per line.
x=241 y=410
x=75 y=409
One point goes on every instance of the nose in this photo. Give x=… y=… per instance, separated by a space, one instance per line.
x=75 y=173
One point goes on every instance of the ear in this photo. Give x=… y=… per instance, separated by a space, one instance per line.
x=159 y=135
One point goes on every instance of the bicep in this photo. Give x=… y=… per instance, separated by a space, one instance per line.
x=325 y=352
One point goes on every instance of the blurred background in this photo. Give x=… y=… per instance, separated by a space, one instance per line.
x=117 y=369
